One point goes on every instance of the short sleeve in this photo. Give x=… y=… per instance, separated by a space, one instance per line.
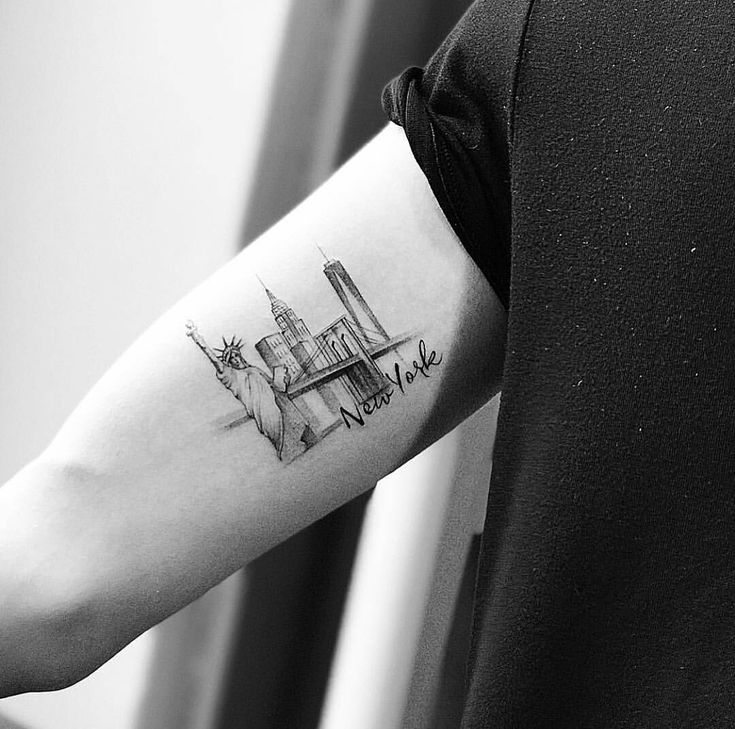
x=457 y=116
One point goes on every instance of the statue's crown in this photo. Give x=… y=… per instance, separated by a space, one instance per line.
x=225 y=353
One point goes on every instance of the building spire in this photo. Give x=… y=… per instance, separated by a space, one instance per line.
x=321 y=250
x=278 y=307
x=260 y=280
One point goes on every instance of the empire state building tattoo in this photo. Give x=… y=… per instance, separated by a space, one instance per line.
x=312 y=384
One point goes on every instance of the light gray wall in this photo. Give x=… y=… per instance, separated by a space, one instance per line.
x=127 y=137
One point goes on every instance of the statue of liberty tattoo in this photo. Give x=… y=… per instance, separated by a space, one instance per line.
x=261 y=394
x=311 y=384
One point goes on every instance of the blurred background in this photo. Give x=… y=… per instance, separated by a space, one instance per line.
x=141 y=145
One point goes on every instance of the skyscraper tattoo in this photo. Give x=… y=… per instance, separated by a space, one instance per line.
x=313 y=384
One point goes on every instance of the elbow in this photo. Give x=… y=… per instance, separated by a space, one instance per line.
x=47 y=641
x=53 y=623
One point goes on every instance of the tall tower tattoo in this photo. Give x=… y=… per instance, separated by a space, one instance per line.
x=295 y=332
x=352 y=299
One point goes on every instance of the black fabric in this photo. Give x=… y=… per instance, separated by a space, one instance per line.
x=606 y=591
x=456 y=114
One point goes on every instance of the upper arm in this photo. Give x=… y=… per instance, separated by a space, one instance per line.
x=161 y=484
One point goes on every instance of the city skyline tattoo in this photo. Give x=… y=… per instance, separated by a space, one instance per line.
x=314 y=384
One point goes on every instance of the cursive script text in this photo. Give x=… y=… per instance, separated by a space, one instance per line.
x=398 y=380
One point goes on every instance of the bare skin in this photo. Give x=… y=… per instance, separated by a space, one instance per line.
x=145 y=500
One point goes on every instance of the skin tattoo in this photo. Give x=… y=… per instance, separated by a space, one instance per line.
x=313 y=384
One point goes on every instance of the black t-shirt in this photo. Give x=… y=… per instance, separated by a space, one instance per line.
x=584 y=153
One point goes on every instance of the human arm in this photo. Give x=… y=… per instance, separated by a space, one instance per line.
x=145 y=499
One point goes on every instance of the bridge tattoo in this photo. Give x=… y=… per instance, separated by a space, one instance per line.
x=308 y=385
